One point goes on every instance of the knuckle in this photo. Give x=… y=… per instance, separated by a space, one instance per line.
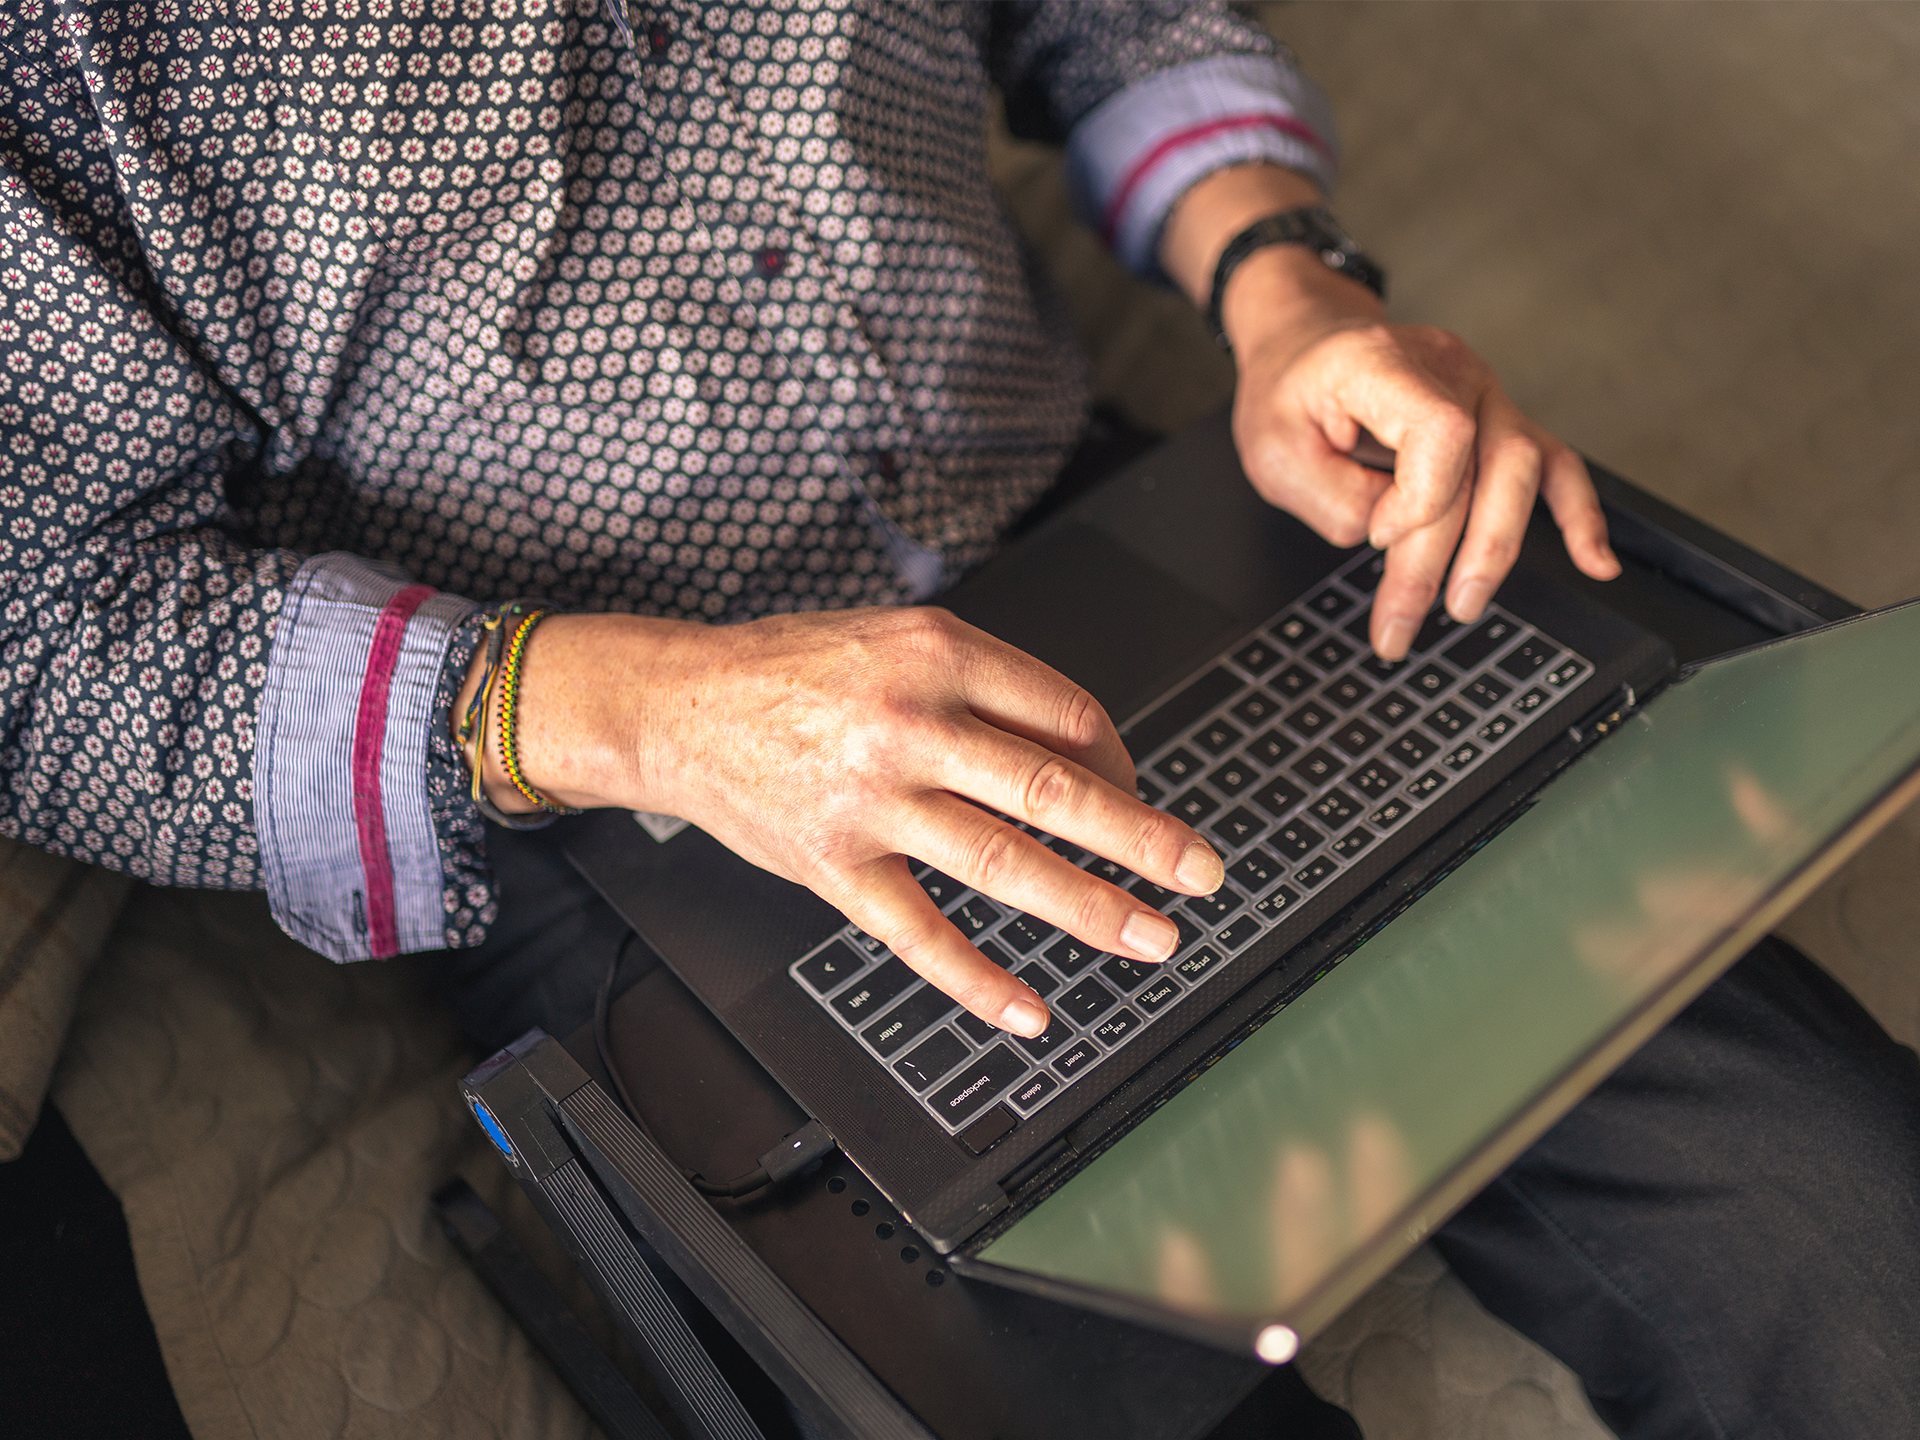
x=1049 y=787
x=993 y=856
x=1082 y=717
x=1518 y=452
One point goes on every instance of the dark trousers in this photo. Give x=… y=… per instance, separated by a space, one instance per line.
x=1723 y=1240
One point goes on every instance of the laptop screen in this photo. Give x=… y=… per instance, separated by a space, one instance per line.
x=1262 y=1197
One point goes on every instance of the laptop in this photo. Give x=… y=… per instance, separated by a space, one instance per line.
x=1433 y=937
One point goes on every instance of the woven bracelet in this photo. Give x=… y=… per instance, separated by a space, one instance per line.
x=472 y=730
x=509 y=696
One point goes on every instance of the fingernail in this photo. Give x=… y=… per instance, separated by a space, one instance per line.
x=1149 y=936
x=1386 y=536
x=1470 y=598
x=1200 y=869
x=1395 y=636
x=1024 y=1017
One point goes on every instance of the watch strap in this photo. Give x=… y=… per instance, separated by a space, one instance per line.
x=1309 y=225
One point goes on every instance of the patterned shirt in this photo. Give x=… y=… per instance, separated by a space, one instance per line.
x=323 y=322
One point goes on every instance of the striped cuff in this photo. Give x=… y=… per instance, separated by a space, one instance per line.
x=347 y=842
x=1137 y=152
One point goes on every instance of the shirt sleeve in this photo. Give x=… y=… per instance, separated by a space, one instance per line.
x=351 y=843
x=1149 y=100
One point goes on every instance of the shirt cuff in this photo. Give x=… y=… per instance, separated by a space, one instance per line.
x=1137 y=152
x=348 y=842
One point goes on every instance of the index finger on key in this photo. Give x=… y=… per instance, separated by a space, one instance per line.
x=1047 y=790
x=1414 y=569
x=883 y=899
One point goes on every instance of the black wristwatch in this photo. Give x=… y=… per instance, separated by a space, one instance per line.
x=1310 y=225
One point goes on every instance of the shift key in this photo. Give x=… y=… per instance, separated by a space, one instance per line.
x=979 y=1083
x=875 y=993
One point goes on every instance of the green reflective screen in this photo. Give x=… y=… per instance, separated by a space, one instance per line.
x=1247 y=1189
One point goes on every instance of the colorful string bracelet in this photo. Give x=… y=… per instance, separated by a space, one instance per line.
x=509 y=696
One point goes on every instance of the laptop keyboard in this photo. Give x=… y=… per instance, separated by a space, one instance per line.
x=1294 y=753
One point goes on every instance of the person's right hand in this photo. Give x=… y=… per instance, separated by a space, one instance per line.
x=831 y=747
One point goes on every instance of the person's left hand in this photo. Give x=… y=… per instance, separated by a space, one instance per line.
x=1319 y=364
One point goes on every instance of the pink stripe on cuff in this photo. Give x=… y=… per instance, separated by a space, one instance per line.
x=1141 y=168
x=369 y=740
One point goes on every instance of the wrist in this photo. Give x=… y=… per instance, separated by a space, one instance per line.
x=581 y=715
x=1284 y=298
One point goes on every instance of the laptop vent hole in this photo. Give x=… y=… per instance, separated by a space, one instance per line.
x=883 y=1230
x=837 y=1184
x=860 y=1207
x=909 y=1253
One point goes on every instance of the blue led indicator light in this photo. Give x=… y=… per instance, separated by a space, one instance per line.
x=492 y=1127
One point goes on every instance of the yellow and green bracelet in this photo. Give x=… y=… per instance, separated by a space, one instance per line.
x=509 y=694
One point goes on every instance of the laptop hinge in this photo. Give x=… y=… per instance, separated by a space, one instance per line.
x=1034 y=1165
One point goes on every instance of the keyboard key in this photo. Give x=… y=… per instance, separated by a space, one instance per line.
x=937 y=1056
x=1412 y=748
x=1329 y=604
x=1318 y=766
x=1449 y=720
x=1348 y=691
x=1373 y=782
x=1365 y=577
x=1460 y=757
x=1294 y=681
x=977 y=1030
x=1439 y=625
x=1033 y=1092
x=1238 y=933
x=1392 y=708
x=1149 y=793
x=978 y=1084
x=1050 y=1041
x=1178 y=766
x=1349 y=845
x=1329 y=653
x=1390 y=814
x=1334 y=808
x=1155 y=997
x=1075 y=1058
x=1311 y=719
x=1531 y=701
x=1486 y=692
x=873 y=994
x=943 y=890
x=1233 y=777
x=1258 y=656
x=1528 y=656
x=994 y=953
x=1496 y=729
x=1429 y=681
x=1026 y=934
x=1116 y=1027
x=1356 y=737
x=1157 y=896
x=867 y=944
x=1426 y=784
x=1294 y=631
x=1563 y=673
x=1214 y=909
x=1174 y=714
x=1272 y=907
x=1189 y=932
x=1277 y=797
x=1071 y=956
x=1256 y=709
x=975 y=917
x=1237 y=827
x=1269 y=749
x=1359 y=626
x=908 y=1021
x=1481 y=641
x=1038 y=979
x=1127 y=975
x=1111 y=871
x=1067 y=851
x=831 y=966
x=1314 y=874
x=1194 y=806
x=1217 y=737
x=1295 y=840
x=1382 y=669
x=1199 y=963
x=1254 y=871
x=1086 y=1002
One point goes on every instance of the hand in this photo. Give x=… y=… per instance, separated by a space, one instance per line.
x=829 y=748
x=1318 y=362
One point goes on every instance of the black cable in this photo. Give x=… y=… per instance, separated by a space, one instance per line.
x=755 y=1179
